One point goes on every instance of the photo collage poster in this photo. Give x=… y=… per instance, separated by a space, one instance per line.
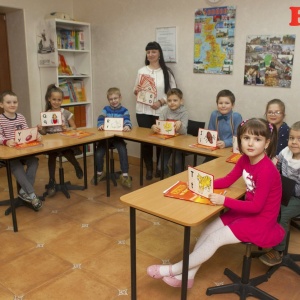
x=214 y=33
x=269 y=60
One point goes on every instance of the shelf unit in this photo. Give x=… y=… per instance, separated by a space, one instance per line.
x=79 y=61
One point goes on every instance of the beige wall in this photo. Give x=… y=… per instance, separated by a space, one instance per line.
x=122 y=28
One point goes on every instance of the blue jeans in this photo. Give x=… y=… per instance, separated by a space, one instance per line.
x=167 y=155
x=120 y=145
x=286 y=214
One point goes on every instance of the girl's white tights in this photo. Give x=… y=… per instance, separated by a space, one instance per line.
x=213 y=237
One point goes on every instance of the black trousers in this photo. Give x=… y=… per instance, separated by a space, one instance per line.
x=147 y=121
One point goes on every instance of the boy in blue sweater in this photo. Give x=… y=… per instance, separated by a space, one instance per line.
x=114 y=110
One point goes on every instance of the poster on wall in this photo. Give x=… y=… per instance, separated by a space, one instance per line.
x=46 y=35
x=214 y=40
x=166 y=37
x=269 y=60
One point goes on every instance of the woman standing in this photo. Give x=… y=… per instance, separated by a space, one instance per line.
x=147 y=115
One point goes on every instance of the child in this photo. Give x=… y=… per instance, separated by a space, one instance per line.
x=114 y=110
x=10 y=121
x=174 y=111
x=289 y=165
x=253 y=220
x=275 y=113
x=54 y=97
x=224 y=120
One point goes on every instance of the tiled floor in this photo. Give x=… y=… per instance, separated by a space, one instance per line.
x=78 y=249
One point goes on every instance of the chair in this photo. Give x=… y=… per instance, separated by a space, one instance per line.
x=193 y=129
x=62 y=185
x=296 y=222
x=243 y=286
x=288 y=259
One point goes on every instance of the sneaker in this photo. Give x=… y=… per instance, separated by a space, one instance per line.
x=98 y=178
x=51 y=189
x=79 y=172
x=125 y=181
x=35 y=201
x=271 y=258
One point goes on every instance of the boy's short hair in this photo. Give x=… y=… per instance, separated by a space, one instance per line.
x=295 y=126
x=5 y=93
x=226 y=93
x=113 y=90
x=175 y=91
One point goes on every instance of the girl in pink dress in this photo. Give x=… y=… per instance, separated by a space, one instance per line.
x=252 y=220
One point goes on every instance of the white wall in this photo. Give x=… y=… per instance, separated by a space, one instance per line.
x=122 y=28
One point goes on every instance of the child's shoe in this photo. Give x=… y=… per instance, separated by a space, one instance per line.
x=35 y=201
x=174 y=282
x=51 y=189
x=271 y=258
x=125 y=181
x=98 y=178
x=79 y=172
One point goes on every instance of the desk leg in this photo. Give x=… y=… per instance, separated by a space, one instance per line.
x=185 y=267
x=84 y=167
x=133 y=252
x=107 y=169
x=11 y=197
x=141 y=164
x=162 y=161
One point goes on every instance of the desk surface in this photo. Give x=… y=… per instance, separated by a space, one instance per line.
x=54 y=142
x=150 y=199
x=180 y=142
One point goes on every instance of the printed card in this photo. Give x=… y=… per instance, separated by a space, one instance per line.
x=26 y=135
x=235 y=147
x=145 y=97
x=51 y=118
x=207 y=137
x=113 y=124
x=199 y=182
x=166 y=127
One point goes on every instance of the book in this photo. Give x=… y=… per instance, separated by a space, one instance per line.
x=163 y=136
x=234 y=157
x=206 y=139
x=180 y=190
x=79 y=89
x=29 y=144
x=113 y=124
x=25 y=138
x=78 y=134
x=200 y=182
x=166 y=127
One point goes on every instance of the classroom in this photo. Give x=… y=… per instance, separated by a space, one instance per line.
x=120 y=30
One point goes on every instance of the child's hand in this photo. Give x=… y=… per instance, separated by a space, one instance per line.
x=177 y=125
x=101 y=127
x=221 y=144
x=216 y=199
x=155 y=128
x=39 y=137
x=126 y=128
x=11 y=143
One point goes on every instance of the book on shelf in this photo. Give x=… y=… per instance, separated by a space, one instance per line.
x=73 y=89
x=70 y=39
x=79 y=112
x=197 y=189
x=63 y=68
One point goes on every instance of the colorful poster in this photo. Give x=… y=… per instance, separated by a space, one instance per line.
x=269 y=60
x=214 y=40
